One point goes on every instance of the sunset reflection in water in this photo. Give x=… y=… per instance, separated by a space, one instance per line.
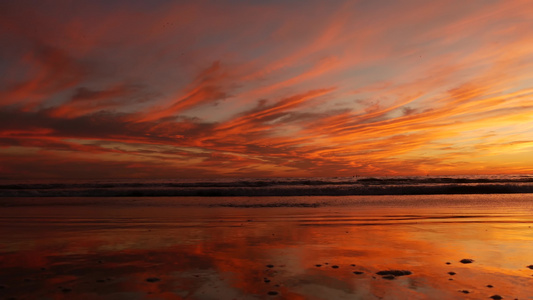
x=265 y=253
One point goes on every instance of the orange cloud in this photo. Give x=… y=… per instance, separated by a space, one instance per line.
x=262 y=89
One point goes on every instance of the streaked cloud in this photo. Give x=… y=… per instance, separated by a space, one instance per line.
x=209 y=88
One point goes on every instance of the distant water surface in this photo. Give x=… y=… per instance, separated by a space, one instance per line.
x=318 y=186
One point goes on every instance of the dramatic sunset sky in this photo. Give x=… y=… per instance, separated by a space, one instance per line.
x=102 y=89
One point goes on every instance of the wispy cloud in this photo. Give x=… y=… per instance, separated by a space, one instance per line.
x=165 y=89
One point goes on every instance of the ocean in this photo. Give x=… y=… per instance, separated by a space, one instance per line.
x=259 y=187
x=430 y=237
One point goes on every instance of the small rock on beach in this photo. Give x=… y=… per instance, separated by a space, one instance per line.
x=496 y=297
x=272 y=293
x=153 y=279
x=394 y=272
x=466 y=260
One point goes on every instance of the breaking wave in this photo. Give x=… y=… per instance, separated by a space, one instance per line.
x=339 y=186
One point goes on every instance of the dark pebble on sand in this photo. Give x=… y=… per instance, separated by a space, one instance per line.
x=326 y=263
x=66 y=290
x=496 y=297
x=270 y=266
x=448 y=263
x=465 y=292
x=266 y=280
x=452 y=273
x=489 y=285
x=389 y=277
x=530 y=266
x=272 y=293
x=353 y=265
x=335 y=267
x=395 y=272
x=152 y=279
x=466 y=261
x=450 y=279
x=318 y=266
x=358 y=272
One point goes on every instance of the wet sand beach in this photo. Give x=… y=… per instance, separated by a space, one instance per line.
x=357 y=248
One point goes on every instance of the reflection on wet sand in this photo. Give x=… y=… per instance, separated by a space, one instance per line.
x=266 y=253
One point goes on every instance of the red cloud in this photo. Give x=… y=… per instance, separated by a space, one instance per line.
x=264 y=89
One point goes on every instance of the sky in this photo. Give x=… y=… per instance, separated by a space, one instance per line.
x=174 y=89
